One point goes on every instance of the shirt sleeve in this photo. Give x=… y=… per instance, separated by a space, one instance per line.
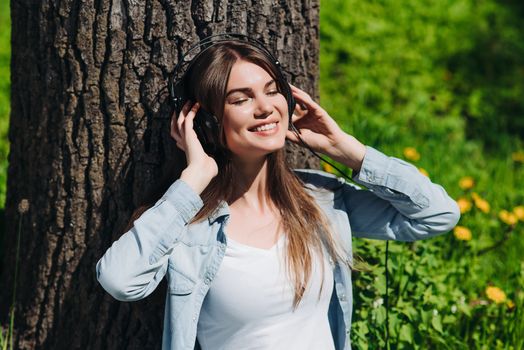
x=401 y=203
x=136 y=263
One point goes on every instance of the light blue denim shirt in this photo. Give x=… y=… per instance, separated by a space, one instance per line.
x=401 y=204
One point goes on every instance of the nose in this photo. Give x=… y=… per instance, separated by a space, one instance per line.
x=264 y=108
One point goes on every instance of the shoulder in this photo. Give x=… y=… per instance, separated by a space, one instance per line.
x=318 y=179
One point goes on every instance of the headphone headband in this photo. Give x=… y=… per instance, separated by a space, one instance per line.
x=208 y=42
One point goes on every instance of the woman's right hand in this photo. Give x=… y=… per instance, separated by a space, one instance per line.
x=201 y=168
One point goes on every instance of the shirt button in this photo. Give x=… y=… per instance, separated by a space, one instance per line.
x=207 y=280
x=343 y=297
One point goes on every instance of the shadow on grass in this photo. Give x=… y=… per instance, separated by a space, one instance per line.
x=491 y=74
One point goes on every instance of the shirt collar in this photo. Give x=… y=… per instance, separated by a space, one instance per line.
x=221 y=210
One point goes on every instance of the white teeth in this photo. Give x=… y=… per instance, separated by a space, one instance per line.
x=266 y=127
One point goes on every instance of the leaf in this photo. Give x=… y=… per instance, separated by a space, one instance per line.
x=381 y=315
x=406 y=334
x=437 y=323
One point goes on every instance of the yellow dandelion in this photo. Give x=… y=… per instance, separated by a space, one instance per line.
x=423 y=172
x=466 y=183
x=464 y=205
x=519 y=212
x=481 y=203
x=462 y=233
x=495 y=294
x=518 y=156
x=507 y=217
x=327 y=168
x=411 y=154
x=510 y=304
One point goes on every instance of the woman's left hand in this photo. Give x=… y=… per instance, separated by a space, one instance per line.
x=320 y=132
x=316 y=127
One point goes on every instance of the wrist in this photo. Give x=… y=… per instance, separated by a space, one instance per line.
x=195 y=178
x=350 y=152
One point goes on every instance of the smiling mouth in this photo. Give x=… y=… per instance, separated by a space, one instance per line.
x=264 y=127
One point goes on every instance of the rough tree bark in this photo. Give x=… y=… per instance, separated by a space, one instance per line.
x=89 y=135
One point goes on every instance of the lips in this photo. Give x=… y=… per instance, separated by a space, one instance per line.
x=264 y=127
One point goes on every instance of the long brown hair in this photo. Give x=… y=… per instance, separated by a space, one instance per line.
x=305 y=226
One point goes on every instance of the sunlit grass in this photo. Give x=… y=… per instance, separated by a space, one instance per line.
x=5 y=86
x=405 y=77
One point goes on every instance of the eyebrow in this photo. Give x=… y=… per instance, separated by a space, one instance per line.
x=248 y=90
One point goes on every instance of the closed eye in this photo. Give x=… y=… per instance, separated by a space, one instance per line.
x=241 y=101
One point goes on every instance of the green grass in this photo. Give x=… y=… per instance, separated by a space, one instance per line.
x=445 y=78
x=5 y=86
x=5 y=56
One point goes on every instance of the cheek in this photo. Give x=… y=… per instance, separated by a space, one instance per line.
x=283 y=107
x=232 y=122
x=232 y=127
x=237 y=117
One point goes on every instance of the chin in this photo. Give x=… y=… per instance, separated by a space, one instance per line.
x=256 y=152
x=275 y=147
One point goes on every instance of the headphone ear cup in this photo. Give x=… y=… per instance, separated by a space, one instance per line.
x=207 y=129
x=179 y=97
x=205 y=124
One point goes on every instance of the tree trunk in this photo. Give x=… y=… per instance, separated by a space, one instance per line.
x=89 y=134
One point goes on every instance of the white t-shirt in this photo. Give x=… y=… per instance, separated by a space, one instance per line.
x=250 y=303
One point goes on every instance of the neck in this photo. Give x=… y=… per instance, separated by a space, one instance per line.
x=251 y=184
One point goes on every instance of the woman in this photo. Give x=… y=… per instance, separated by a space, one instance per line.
x=258 y=256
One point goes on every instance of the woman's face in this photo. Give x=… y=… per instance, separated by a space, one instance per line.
x=255 y=113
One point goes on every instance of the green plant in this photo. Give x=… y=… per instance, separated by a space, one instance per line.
x=6 y=340
x=5 y=87
x=408 y=76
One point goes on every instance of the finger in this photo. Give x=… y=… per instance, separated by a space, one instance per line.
x=300 y=92
x=192 y=112
x=183 y=113
x=180 y=145
x=173 y=124
x=176 y=135
x=291 y=135
x=186 y=107
x=181 y=118
x=174 y=117
x=174 y=131
x=297 y=118
x=293 y=87
x=305 y=101
x=190 y=116
x=179 y=126
x=298 y=113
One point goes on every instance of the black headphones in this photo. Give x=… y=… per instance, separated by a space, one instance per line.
x=206 y=124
